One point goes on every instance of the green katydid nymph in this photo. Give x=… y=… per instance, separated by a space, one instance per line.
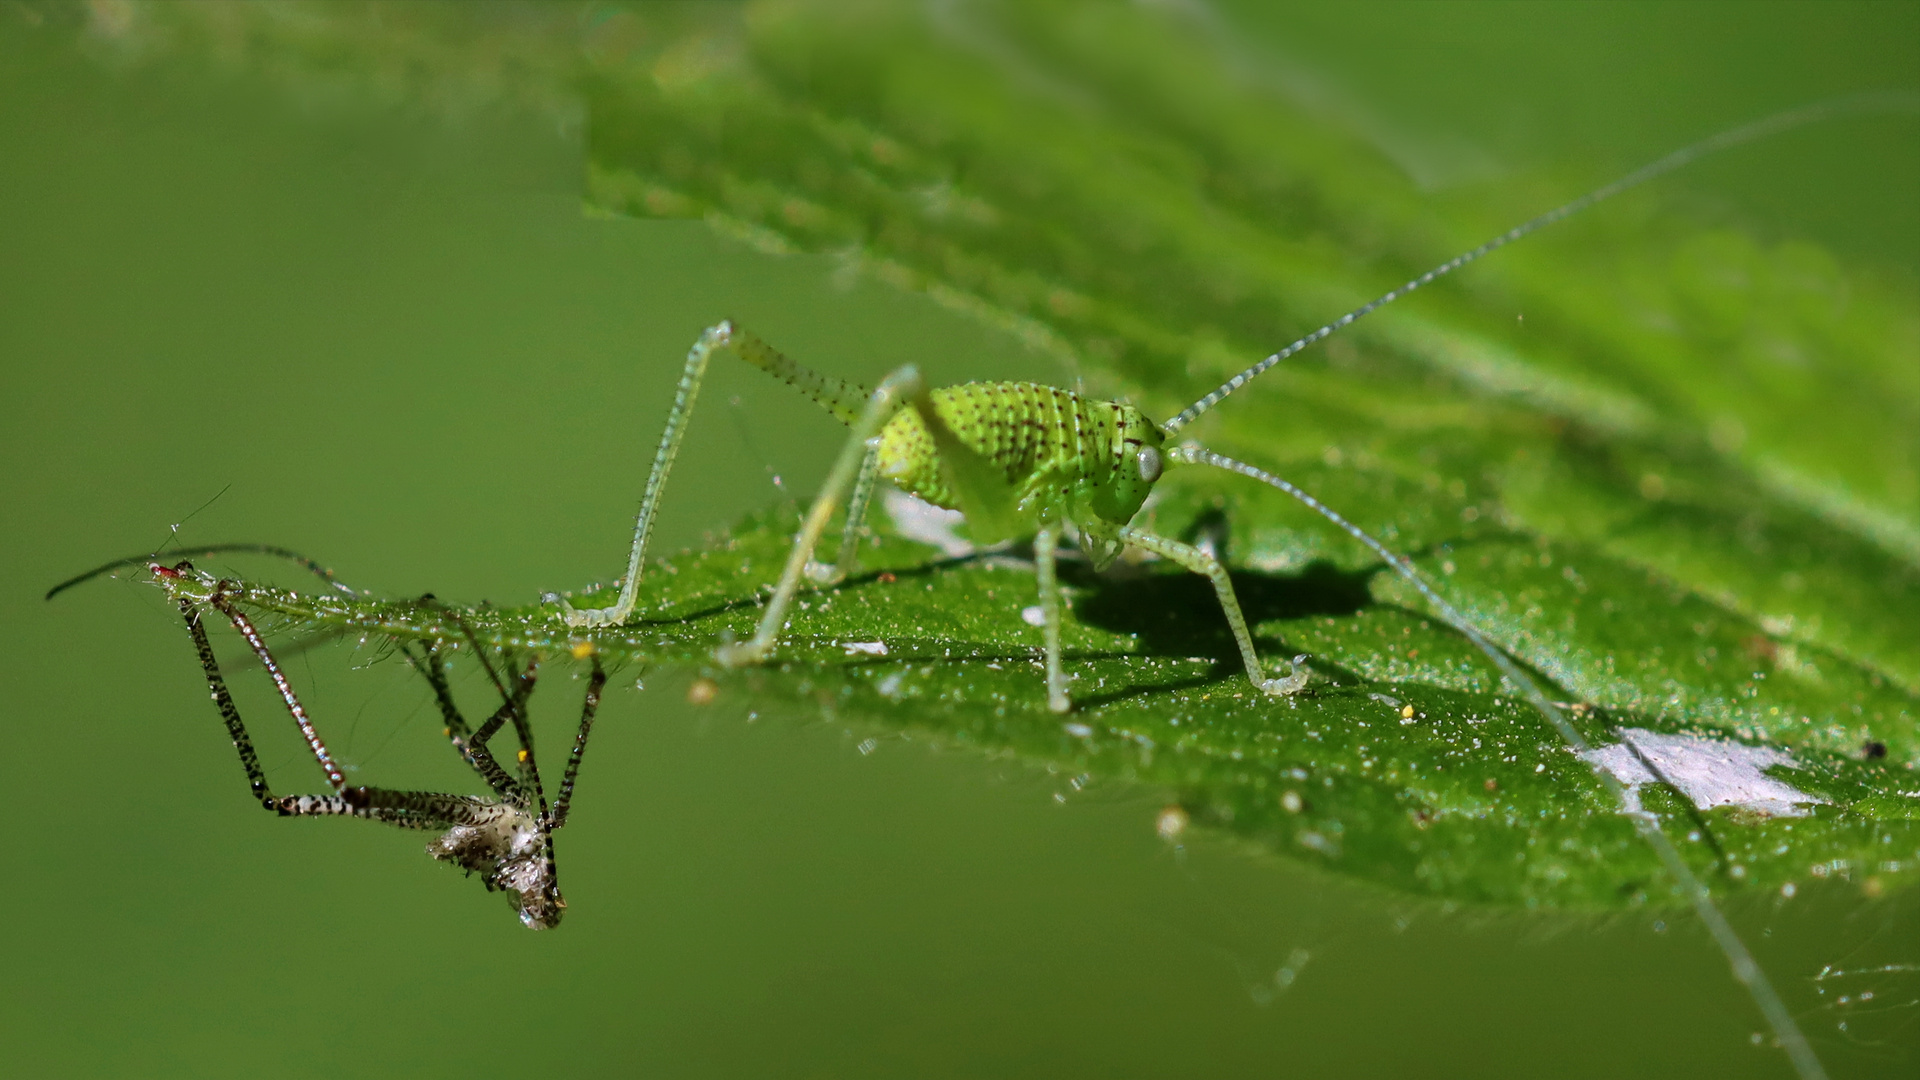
x=1017 y=459
x=1029 y=460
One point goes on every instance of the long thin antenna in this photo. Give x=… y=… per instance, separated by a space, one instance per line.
x=1745 y=969
x=173 y=530
x=322 y=572
x=1889 y=101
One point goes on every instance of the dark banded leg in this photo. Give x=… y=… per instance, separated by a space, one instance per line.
x=564 y=800
x=223 y=699
x=473 y=642
x=335 y=778
x=479 y=652
x=514 y=708
x=408 y=809
x=430 y=667
x=404 y=809
x=477 y=756
x=479 y=753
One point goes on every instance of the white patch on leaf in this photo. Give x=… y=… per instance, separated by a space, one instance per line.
x=1709 y=772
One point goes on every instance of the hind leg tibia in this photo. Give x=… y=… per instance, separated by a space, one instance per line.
x=894 y=391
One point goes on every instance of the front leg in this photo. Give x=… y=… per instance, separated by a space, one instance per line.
x=1200 y=562
x=474 y=753
x=223 y=698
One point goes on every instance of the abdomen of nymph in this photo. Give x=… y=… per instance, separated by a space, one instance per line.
x=1024 y=428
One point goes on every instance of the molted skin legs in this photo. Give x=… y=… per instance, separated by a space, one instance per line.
x=506 y=839
x=1202 y=563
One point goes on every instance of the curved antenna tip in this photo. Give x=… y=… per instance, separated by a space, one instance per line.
x=1871 y=102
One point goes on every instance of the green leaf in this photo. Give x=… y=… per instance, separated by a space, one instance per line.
x=1666 y=465
x=1405 y=765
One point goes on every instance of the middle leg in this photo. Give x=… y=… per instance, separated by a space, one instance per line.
x=1046 y=543
x=475 y=754
x=855 y=529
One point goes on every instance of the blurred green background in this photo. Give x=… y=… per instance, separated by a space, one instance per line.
x=370 y=327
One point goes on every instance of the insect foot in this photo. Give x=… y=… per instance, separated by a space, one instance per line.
x=1293 y=682
x=823 y=573
x=740 y=654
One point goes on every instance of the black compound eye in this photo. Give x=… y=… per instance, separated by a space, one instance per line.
x=1149 y=463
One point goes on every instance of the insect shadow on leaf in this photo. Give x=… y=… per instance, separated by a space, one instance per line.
x=1169 y=614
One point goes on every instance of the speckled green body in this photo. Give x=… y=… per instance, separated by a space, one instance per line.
x=1065 y=457
x=1017 y=460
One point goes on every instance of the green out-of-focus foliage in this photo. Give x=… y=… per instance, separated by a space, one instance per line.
x=1670 y=468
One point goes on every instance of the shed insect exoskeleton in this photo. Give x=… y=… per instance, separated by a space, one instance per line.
x=507 y=838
